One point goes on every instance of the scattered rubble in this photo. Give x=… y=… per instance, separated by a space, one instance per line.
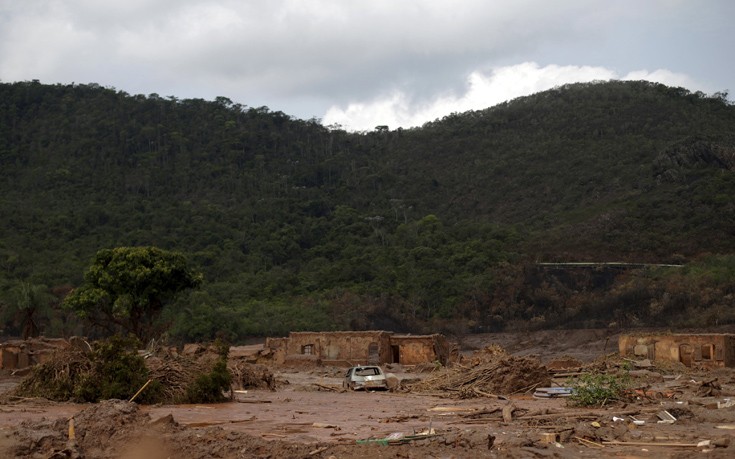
x=19 y=355
x=55 y=378
x=493 y=412
x=489 y=372
x=251 y=375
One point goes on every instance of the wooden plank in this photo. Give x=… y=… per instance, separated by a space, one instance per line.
x=645 y=443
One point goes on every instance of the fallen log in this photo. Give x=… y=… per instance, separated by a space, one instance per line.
x=527 y=388
x=649 y=443
x=489 y=395
x=478 y=414
x=584 y=441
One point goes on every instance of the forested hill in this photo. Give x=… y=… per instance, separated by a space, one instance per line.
x=297 y=226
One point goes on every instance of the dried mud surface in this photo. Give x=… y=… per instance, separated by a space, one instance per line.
x=310 y=416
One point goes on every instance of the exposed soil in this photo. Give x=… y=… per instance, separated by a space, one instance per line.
x=310 y=416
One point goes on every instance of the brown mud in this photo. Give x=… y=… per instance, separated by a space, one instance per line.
x=310 y=416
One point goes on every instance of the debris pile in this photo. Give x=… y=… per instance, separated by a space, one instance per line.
x=492 y=372
x=251 y=376
x=709 y=388
x=56 y=378
x=488 y=353
x=564 y=363
x=62 y=377
x=175 y=374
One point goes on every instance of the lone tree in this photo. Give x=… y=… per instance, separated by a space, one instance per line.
x=126 y=289
x=28 y=306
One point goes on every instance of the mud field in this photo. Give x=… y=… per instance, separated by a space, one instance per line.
x=310 y=416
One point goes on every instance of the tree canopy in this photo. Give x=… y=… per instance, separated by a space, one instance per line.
x=127 y=288
x=297 y=226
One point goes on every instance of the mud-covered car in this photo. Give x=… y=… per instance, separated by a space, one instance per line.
x=365 y=378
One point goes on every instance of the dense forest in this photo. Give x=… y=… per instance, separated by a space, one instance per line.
x=298 y=226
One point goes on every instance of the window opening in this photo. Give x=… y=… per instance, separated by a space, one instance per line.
x=708 y=351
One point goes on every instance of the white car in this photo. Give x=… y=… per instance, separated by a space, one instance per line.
x=365 y=378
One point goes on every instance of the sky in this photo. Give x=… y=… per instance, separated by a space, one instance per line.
x=358 y=64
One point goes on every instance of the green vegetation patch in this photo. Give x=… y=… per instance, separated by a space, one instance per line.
x=598 y=389
x=117 y=372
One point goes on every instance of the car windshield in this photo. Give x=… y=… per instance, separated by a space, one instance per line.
x=367 y=371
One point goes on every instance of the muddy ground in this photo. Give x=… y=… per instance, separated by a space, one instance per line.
x=310 y=416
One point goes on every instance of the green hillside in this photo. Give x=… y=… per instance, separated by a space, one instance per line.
x=296 y=226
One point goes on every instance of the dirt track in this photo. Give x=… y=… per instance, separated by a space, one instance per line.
x=311 y=417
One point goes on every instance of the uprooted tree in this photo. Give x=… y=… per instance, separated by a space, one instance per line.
x=126 y=289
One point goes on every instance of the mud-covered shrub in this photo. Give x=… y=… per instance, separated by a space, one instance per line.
x=117 y=372
x=111 y=370
x=209 y=387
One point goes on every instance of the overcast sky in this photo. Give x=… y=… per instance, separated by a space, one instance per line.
x=362 y=63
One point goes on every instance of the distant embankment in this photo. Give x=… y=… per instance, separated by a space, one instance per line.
x=607 y=264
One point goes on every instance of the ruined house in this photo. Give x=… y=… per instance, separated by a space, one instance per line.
x=20 y=354
x=711 y=350
x=348 y=348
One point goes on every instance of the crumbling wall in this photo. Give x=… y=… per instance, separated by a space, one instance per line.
x=338 y=348
x=277 y=349
x=417 y=349
x=347 y=348
x=693 y=350
x=413 y=350
x=19 y=354
x=443 y=349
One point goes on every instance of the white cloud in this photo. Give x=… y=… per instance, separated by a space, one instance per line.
x=482 y=90
x=396 y=61
x=280 y=47
x=35 y=44
x=666 y=77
